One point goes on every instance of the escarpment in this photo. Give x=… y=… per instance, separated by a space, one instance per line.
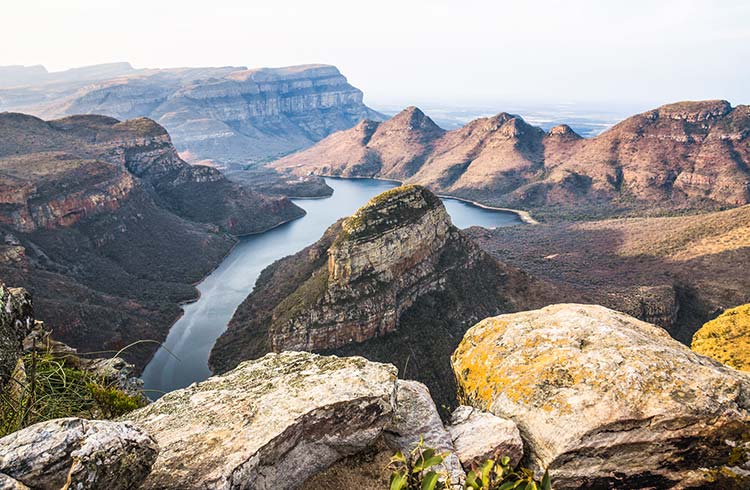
x=108 y=227
x=687 y=155
x=396 y=282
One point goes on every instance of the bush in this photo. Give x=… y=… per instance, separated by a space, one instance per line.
x=498 y=475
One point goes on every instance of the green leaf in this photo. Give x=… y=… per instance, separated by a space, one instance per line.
x=505 y=461
x=430 y=481
x=486 y=469
x=546 y=482
x=508 y=485
x=471 y=481
x=398 y=481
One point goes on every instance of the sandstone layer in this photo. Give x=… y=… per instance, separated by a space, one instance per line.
x=396 y=282
x=604 y=400
x=687 y=155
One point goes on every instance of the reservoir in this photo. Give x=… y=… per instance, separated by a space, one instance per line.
x=184 y=357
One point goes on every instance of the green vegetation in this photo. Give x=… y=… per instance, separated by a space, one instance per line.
x=54 y=388
x=416 y=471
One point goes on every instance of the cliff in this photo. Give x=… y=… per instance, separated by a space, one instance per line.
x=395 y=282
x=688 y=155
x=226 y=115
x=105 y=224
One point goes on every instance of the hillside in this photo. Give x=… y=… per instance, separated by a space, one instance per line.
x=108 y=227
x=677 y=272
x=682 y=156
x=228 y=116
x=396 y=282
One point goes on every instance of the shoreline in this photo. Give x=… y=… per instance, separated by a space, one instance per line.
x=524 y=216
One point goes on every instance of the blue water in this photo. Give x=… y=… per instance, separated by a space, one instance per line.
x=184 y=357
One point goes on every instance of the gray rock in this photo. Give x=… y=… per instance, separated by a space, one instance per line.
x=15 y=322
x=416 y=416
x=78 y=453
x=269 y=423
x=8 y=483
x=478 y=436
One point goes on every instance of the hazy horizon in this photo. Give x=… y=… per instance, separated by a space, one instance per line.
x=478 y=53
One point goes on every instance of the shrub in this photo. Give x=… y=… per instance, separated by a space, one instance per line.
x=497 y=474
x=413 y=471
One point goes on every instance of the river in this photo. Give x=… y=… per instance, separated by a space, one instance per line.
x=183 y=359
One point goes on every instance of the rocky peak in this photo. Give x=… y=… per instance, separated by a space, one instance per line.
x=412 y=119
x=695 y=111
x=563 y=131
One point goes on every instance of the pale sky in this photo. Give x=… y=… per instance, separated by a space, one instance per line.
x=411 y=51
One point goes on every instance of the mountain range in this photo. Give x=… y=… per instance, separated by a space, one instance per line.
x=226 y=116
x=681 y=156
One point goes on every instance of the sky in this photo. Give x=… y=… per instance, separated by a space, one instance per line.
x=415 y=51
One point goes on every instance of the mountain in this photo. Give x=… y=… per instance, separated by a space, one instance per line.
x=225 y=115
x=687 y=155
x=396 y=282
x=105 y=224
x=676 y=272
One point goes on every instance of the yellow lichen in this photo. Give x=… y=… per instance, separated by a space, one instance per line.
x=727 y=338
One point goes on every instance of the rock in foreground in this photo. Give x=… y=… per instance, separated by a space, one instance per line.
x=271 y=423
x=604 y=400
x=478 y=436
x=77 y=454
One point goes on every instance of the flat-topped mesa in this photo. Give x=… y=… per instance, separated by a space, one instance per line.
x=695 y=111
x=384 y=257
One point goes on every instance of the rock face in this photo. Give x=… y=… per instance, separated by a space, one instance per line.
x=271 y=423
x=228 y=115
x=77 y=453
x=16 y=321
x=602 y=399
x=108 y=227
x=478 y=436
x=726 y=338
x=683 y=155
x=396 y=282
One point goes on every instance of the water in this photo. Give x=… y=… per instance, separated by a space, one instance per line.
x=192 y=336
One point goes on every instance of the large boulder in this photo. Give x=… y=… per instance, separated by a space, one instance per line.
x=78 y=454
x=269 y=423
x=16 y=321
x=604 y=400
x=478 y=436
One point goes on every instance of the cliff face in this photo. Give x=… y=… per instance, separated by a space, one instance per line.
x=228 y=115
x=683 y=155
x=103 y=222
x=395 y=281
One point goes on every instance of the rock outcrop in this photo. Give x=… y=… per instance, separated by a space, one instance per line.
x=684 y=155
x=227 y=115
x=109 y=228
x=270 y=423
x=77 y=454
x=478 y=436
x=726 y=338
x=604 y=400
x=16 y=320
x=396 y=282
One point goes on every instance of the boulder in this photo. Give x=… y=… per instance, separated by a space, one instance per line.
x=269 y=423
x=478 y=436
x=604 y=400
x=16 y=321
x=76 y=453
x=416 y=416
x=8 y=483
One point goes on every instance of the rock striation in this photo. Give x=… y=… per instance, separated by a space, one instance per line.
x=77 y=453
x=226 y=115
x=396 y=282
x=685 y=155
x=604 y=400
x=108 y=227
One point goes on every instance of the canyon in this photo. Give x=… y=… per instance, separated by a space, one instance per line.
x=223 y=116
x=105 y=223
x=679 y=157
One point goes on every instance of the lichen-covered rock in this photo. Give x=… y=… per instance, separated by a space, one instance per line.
x=16 y=319
x=8 y=483
x=604 y=400
x=726 y=338
x=478 y=436
x=270 y=423
x=416 y=416
x=78 y=454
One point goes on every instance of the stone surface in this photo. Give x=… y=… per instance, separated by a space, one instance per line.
x=416 y=416
x=682 y=155
x=726 y=338
x=270 y=423
x=603 y=399
x=16 y=321
x=478 y=436
x=78 y=454
x=8 y=483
